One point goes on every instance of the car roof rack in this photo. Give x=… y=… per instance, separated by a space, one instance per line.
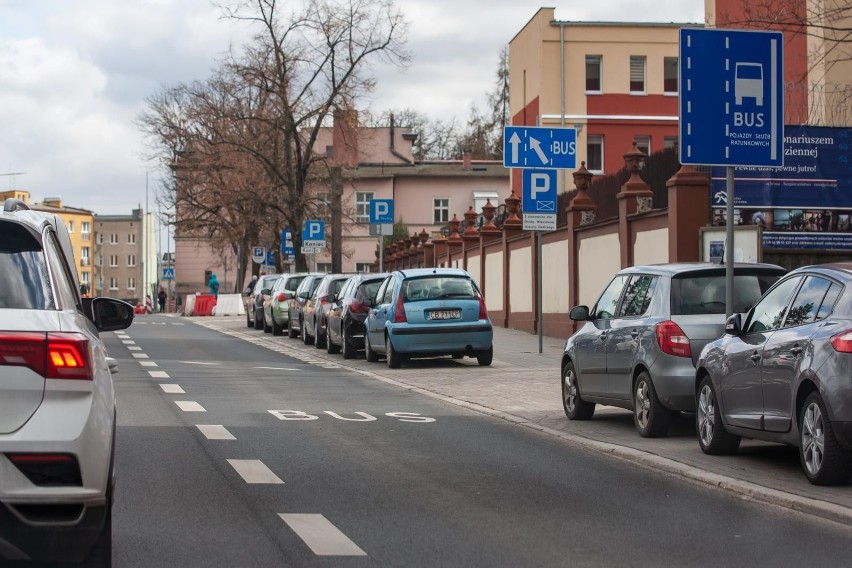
x=13 y=204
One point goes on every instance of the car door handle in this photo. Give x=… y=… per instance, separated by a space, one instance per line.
x=796 y=350
x=755 y=356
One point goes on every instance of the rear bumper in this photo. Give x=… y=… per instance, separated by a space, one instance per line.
x=68 y=541
x=434 y=340
x=674 y=381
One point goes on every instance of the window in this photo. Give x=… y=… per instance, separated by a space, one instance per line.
x=131 y=283
x=113 y=260
x=670 y=75
x=86 y=227
x=70 y=226
x=608 y=302
x=441 y=211
x=100 y=238
x=113 y=283
x=643 y=143
x=84 y=253
x=323 y=267
x=670 y=142
x=131 y=260
x=770 y=311
x=131 y=238
x=362 y=206
x=593 y=73
x=637 y=297
x=85 y=277
x=814 y=301
x=363 y=266
x=323 y=203
x=480 y=198
x=637 y=74
x=113 y=239
x=594 y=153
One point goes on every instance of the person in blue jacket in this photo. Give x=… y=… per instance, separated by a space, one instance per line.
x=214 y=285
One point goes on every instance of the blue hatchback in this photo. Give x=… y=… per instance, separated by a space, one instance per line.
x=428 y=312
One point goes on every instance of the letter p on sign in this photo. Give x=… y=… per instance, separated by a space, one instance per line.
x=540 y=184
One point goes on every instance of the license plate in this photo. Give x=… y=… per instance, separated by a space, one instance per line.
x=444 y=314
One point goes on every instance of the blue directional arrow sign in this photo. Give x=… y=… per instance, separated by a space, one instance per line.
x=538 y=147
x=731 y=97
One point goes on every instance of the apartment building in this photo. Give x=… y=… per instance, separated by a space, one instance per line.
x=125 y=256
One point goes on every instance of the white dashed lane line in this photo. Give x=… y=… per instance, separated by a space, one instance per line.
x=139 y=356
x=148 y=363
x=159 y=375
x=215 y=432
x=255 y=471
x=322 y=537
x=190 y=406
x=134 y=348
x=128 y=342
x=172 y=389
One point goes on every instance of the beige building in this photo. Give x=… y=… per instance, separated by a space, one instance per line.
x=125 y=259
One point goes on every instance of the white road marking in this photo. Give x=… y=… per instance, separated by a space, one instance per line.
x=136 y=348
x=215 y=432
x=276 y=368
x=197 y=363
x=322 y=537
x=189 y=406
x=159 y=375
x=148 y=363
x=172 y=389
x=128 y=342
x=254 y=471
x=139 y=355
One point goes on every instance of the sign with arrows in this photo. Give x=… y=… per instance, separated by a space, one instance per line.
x=539 y=148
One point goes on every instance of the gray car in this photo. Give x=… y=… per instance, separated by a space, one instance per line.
x=783 y=373
x=57 y=402
x=637 y=347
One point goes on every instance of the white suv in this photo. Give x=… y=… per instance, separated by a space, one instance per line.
x=57 y=405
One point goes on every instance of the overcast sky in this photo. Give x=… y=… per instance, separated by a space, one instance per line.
x=74 y=74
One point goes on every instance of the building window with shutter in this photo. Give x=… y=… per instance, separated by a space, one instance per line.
x=593 y=74
x=637 y=74
x=594 y=153
x=670 y=75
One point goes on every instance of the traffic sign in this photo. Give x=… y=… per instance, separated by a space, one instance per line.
x=731 y=97
x=287 y=242
x=169 y=273
x=381 y=211
x=313 y=237
x=538 y=147
x=270 y=258
x=539 y=200
x=258 y=254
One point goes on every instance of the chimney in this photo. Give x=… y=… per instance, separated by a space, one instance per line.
x=345 y=138
x=467 y=163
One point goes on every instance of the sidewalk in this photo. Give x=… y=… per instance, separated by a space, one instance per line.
x=523 y=386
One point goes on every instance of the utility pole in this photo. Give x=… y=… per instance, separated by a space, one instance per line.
x=336 y=219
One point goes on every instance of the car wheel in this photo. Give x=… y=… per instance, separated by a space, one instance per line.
x=575 y=407
x=306 y=339
x=485 y=357
x=825 y=462
x=276 y=329
x=349 y=351
x=249 y=323
x=712 y=436
x=291 y=333
x=258 y=321
x=321 y=338
x=394 y=358
x=266 y=328
x=372 y=356
x=652 y=419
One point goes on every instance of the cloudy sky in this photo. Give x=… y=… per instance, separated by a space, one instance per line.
x=74 y=74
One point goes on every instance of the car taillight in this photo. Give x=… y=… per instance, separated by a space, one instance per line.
x=358 y=308
x=51 y=355
x=842 y=341
x=48 y=469
x=672 y=339
x=399 y=313
x=281 y=296
x=483 y=312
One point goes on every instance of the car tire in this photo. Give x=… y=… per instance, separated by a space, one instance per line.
x=712 y=436
x=321 y=338
x=249 y=323
x=484 y=358
x=258 y=321
x=574 y=406
x=394 y=358
x=276 y=329
x=266 y=328
x=831 y=464
x=291 y=333
x=652 y=419
x=349 y=351
x=306 y=339
x=372 y=356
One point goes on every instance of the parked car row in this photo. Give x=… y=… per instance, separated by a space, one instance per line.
x=779 y=369
x=400 y=315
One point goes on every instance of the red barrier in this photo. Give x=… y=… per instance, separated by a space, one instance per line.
x=204 y=304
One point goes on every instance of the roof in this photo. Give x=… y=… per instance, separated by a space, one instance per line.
x=601 y=24
x=479 y=169
x=673 y=268
x=416 y=272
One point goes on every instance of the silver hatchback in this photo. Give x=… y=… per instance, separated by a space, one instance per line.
x=57 y=405
x=637 y=347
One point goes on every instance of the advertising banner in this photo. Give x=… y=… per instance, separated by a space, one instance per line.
x=806 y=203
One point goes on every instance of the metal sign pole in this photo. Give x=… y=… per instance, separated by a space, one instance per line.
x=539 y=291
x=729 y=245
x=381 y=253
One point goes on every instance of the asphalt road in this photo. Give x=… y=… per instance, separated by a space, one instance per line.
x=231 y=454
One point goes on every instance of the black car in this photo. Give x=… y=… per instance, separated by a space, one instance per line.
x=255 y=297
x=303 y=293
x=345 y=319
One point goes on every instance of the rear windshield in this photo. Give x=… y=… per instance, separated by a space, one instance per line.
x=434 y=287
x=24 y=280
x=693 y=295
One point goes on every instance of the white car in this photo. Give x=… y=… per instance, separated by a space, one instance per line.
x=57 y=405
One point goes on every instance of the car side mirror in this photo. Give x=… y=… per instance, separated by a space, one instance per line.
x=734 y=324
x=266 y=291
x=109 y=314
x=579 y=313
x=369 y=302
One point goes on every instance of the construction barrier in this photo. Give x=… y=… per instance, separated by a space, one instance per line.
x=149 y=307
x=229 y=305
x=204 y=304
x=189 y=305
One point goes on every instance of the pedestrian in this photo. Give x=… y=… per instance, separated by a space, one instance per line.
x=250 y=288
x=161 y=299
x=213 y=284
